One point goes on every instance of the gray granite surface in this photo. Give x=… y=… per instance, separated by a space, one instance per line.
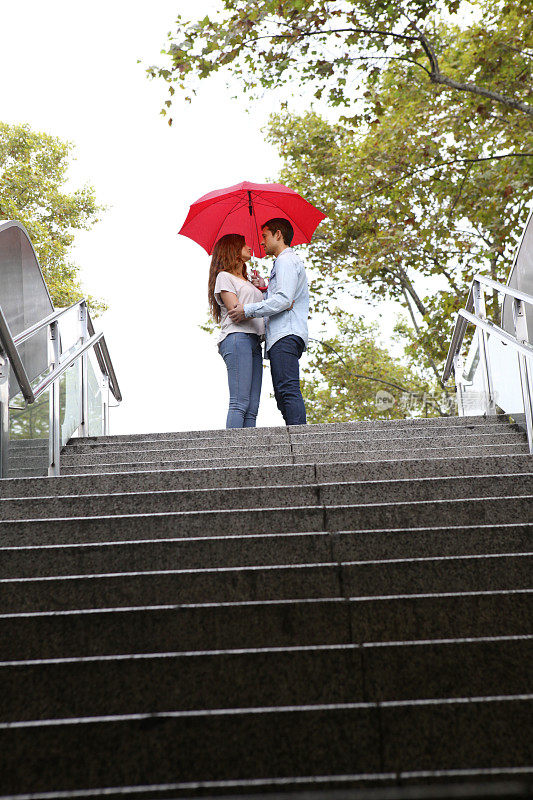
x=224 y=584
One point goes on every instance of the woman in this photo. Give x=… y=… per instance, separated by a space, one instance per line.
x=239 y=345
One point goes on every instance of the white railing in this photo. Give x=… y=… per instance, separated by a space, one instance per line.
x=59 y=364
x=485 y=354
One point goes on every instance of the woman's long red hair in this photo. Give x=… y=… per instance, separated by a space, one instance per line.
x=226 y=257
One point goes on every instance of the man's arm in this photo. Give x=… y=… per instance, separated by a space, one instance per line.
x=281 y=300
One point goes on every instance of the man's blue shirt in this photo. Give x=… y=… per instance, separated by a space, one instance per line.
x=288 y=282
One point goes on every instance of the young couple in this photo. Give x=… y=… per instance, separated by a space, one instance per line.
x=246 y=317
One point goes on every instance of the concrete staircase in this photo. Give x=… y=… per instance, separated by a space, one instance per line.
x=323 y=611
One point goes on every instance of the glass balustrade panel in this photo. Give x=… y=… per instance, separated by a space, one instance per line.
x=29 y=436
x=70 y=332
x=471 y=382
x=70 y=402
x=96 y=396
x=506 y=380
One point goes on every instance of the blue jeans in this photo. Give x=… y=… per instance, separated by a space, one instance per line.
x=284 y=356
x=244 y=362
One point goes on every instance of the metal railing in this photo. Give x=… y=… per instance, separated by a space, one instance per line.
x=10 y=360
x=519 y=343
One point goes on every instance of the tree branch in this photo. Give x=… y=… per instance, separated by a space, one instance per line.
x=448 y=276
x=371 y=31
x=407 y=286
x=444 y=164
x=417 y=329
x=437 y=77
x=457 y=198
x=516 y=50
x=392 y=58
x=443 y=80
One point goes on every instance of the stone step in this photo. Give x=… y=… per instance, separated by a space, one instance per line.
x=275 y=742
x=22 y=444
x=159 y=465
x=239 y=584
x=460 y=784
x=456 y=451
x=253 y=550
x=263 y=677
x=148 y=453
x=303 y=519
x=483 y=428
x=283 y=623
x=330 y=494
x=225 y=438
x=153 y=502
x=280 y=474
x=31 y=472
x=409 y=424
x=168 y=620
x=427 y=513
x=347 y=445
x=398 y=443
x=431 y=541
x=79 y=446
x=423 y=468
x=173 y=479
x=348 y=456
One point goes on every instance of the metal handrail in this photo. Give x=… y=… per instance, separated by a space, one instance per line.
x=518 y=295
x=39 y=326
x=518 y=341
x=58 y=364
x=10 y=349
x=499 y=333
x=57 y=372
x=100 y=349
x=104 y=361
x=462 y=320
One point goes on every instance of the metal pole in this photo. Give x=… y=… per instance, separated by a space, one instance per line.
x=55 y=426
x=4 y=415
x=480 y=311
x=458 y=366
x=520 y=325
x=105 y=405
x=84 y=426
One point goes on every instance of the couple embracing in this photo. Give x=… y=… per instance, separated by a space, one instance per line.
x=248 y=311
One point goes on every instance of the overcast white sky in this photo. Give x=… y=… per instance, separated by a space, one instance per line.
x=71 y=70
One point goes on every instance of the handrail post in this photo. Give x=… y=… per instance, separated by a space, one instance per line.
x=480 y=311
x=4 y=415
x=458 y=366
x=520 y=325
x=105 y=405
x=54 y=438
x=84 y=427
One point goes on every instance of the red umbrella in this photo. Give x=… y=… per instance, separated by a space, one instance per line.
x=244 y=208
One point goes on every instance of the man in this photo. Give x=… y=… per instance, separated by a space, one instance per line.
x=285 y=308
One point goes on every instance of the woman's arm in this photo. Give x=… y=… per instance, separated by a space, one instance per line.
x=229 y=299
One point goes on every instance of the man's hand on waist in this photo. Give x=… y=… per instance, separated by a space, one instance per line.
x=237 y=313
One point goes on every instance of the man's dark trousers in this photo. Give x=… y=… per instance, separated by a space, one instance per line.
x=284 y=356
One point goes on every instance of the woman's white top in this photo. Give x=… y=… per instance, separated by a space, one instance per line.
x=246 y=293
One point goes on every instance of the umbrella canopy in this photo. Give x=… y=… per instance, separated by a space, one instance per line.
x=244 y=208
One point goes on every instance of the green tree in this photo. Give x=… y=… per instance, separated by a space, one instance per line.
x=427 y=179
x=421 y=189
x=352 y=375
x=33 y=175
x=333 y=46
